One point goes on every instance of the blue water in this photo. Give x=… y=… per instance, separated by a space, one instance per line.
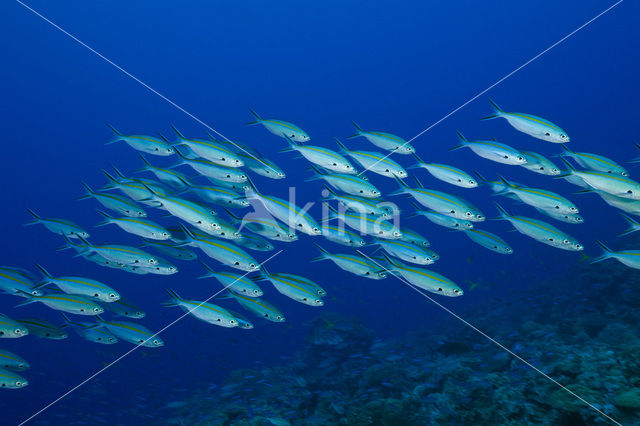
x=388 y=67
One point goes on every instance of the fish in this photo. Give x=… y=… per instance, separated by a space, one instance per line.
x=287 y=212
x=264 y=226
x=492 y=150
x=375 y=162
x=239 y=284
x=168 y=176
x=532 y=125
x=58 y=226
x=78 y=285
x=204 y=311
x=321 y=156
x=11 y=361
x=171 y=250
x=13 y=281
x=488 y=240
x=306 y=281
x=161 y=268
x=562 y=217
x=43 y=328
x=125 y=308
x=358 y=204
x=634 y=225
x=366 y=225
x=538 y=198
x=594 y=162
x=256 y=162
x=11 y=329
x=539 y=164
x=132 y=188
x=243 y=322
x=201 y=216
x=255 y=242
x=210 y=150
x=541 y=231
x=147 y=144
x=280 y=128
x=224 y=252
x=144 y=228
x=90 y=331
x=618 y=185
x=340 y=235
x=384 y=140
x=352 y=185
x=441 y=202
x=408 y=252
x=425 y=279
x=352 y=263
x=259 y=307
x=444 y=220
x=11 y=380
x=115 y=202
x=625 y=204
x=219 y=195
x=446 y=173
x=293 y=288
x=125 y=255
x=210 y=169
x=413 y=237
x=71 y=303
x=132 y=332
x=630 y=258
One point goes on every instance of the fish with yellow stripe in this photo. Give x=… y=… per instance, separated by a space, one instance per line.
x=375 y=162
x=384 y=140
x=11 y=329
x=78 y=285
x=596 y=162
x=58 y=226
x=492 y=150
x=446 y=173
x=204 y=311
x=352 y=263
x=280 y=128
x=424 y=278
x=143 y=143
x=532 y=125
x=70 y=303
x=541 y=231
x=11 y=380
x=11 y=361
x=43 y=328
x=210 y=150
x=137 y=226
x=259 y=307
x=293 y=287
x=91 y=331
x=321 y=156
x=132 y=332
x=120 y=254
x=488 y=240
x=353 y=185
x=630 y=258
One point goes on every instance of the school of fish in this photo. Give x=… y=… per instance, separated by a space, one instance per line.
x=357 y=217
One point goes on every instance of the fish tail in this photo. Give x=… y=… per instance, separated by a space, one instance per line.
x=343 y=149
x=118 y=172
x=419 y=163
x=110 y=177
x=36 y=218
x=317 y=174
x=359 y=131
x=503 y=212
x=606 y=252
x=118 y=135
x=634 y=225
x=257 y=120
x=67 y=320
x=107 y=217
x=462 y=142
x=89 y=193
x=497 y=111
x=292 y=145
x=210 y=272
x=44 y=271
x=174 y=298
x=177 y=132
x=147 y=165
x=323 y=254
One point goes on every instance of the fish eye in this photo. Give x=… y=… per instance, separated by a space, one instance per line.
x=17 y=331
x=556 y=207
x=468 y=214
x=155 y=342
x=96 y=309
x=315 y=229
x=279 y=317
x=439 y=288
x=508 y=250
x=579 y=246
x=236 y=263
x=252 y=265
x=243 y=177
x=554 y=170
x=629 y=192
x=521 y=158
x=625 y=174
x=566 y=241
x=547 y=134
x=18 y=383
x=361 y=191
x=256 y=291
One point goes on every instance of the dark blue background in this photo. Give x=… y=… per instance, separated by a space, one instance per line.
x=320 y=65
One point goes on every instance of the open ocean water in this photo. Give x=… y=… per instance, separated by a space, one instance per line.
x=540 y=336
